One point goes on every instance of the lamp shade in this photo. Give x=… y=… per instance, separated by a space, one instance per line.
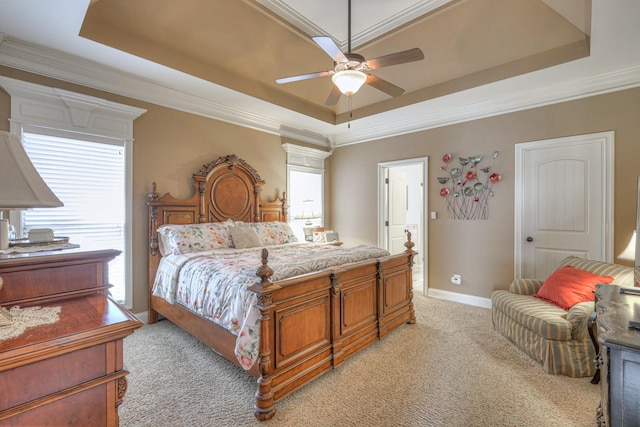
x=349 y=81
x=629 y=252
x=21 y=186
x=307 y=211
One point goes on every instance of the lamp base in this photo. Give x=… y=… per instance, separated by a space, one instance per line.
x=308 y=232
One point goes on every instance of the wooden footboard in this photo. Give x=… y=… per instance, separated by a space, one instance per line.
x=312 y=323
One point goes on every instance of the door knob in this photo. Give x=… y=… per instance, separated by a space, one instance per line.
x=529 y=239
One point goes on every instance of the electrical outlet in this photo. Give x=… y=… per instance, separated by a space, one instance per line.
x=456 y=279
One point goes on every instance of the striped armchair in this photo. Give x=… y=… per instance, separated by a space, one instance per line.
x=557 y=338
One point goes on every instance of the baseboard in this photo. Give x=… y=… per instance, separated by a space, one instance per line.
x=457 y=297
x=143 y=316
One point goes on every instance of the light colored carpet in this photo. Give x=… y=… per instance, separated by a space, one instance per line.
x=449 y=369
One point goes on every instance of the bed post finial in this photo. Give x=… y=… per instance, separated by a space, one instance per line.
x=153 y=195
x=409 y=244
x=264 y=272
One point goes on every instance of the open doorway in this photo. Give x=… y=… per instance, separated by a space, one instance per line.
x=402 y=203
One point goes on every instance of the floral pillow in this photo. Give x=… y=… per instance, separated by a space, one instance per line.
x=188 y=238
x=274 y=233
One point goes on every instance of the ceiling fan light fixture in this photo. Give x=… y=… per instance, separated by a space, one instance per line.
x=349 y=81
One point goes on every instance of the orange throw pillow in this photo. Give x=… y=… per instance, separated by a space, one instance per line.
x=568 y=286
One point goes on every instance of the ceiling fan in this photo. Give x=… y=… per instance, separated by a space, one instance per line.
x=351 y=70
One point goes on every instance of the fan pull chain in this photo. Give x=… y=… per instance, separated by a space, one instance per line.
x=350 y=113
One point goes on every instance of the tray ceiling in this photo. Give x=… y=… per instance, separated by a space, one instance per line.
x=247 y=45
x=220 y=59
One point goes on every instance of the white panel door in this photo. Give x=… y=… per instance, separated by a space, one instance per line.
x=564 y=194
x=397 y=210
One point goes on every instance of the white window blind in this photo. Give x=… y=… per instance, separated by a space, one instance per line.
x=305 y=199
x=89 y=178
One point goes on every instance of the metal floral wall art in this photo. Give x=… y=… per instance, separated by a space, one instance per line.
x=467 y=187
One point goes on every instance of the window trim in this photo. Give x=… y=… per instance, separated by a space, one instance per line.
x=46 y=110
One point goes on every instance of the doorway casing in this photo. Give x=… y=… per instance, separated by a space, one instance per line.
x=422 y=247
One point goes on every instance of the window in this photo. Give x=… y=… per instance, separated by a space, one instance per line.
x=305 y=201
x=89 y=178
x=62 y=129
x=305 y=188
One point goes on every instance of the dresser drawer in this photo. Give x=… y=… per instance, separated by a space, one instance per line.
x=38 y=283
x=87 y=407
x=48 y=276
x=39 y=379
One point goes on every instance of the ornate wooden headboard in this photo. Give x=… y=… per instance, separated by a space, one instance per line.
x=227 y=188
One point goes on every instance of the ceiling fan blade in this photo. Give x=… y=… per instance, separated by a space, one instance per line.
x=328 y=45
x=410 y=55
x=303 y=77
x=333 y=97
x=384 y=86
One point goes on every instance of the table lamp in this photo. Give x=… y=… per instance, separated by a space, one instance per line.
x=21 y=187
x=308 y=215
x=629 y=252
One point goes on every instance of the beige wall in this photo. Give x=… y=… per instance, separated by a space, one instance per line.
x=482 y=251
x=170 y=145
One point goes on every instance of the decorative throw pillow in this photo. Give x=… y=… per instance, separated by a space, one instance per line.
x=274 y=233
x=244 y=236
x=568 y=286
x=186 y=238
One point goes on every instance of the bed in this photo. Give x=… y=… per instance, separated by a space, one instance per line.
x=307 y=324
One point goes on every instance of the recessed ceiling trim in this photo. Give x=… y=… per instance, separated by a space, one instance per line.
x=50 y=63
x=358 y=38
x=509 y=103
x=290 y=16
x=383 y=27
x=447 y=110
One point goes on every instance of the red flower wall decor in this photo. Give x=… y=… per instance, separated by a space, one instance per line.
x=467 y=188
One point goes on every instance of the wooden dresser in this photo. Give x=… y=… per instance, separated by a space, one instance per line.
x=70 y=372
x=619 y=356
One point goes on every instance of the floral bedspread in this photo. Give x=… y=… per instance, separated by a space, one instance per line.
x=215 y=284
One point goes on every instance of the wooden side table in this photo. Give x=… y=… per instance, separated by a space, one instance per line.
x=70 y=372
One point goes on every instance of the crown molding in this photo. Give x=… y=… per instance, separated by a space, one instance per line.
x=376 y=29
x=246 y=111
x=522 y=99
x=58 y=65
